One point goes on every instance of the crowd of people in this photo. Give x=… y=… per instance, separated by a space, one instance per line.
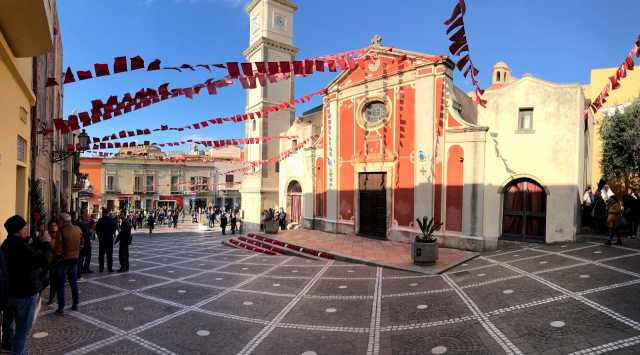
x=228 y=218
x=604 y=212
x=55 y=256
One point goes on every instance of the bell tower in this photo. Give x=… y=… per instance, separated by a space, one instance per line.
x=270 y=40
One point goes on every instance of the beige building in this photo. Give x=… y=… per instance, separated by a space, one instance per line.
x=26 y=30
x=147 y=178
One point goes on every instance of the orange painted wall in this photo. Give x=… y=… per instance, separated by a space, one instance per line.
x=455 y=181
x=93 y=168
x=346 y=151
x=404 y=187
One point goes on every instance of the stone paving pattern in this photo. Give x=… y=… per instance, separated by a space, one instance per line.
x=187 y=293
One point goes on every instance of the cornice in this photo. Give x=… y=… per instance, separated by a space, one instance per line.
x=269 y=43
x=286 y=3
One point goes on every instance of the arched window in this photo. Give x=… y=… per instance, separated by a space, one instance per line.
x=498 y=76
x=524 y=211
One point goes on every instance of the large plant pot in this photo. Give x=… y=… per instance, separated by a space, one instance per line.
x=424 y=253
x=271 y=227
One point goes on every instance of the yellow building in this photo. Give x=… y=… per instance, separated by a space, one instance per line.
x=628 y=91
x=25 y=31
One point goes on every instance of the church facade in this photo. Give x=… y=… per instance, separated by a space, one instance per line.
x=398 y=141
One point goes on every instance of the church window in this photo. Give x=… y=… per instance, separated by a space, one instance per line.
x=375 y=112
x=525 y=119
x=498 y=76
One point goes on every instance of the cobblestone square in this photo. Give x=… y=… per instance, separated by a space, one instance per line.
x=236 y=301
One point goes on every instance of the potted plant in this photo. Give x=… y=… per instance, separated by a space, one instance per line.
x=271 y=225
x=425 y=246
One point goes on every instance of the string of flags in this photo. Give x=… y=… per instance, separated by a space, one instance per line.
x=218 y=143
x=614 y=80
x=460 y=46
x=121 y=65
x=284 y=155
x=263 y=113
x=114 y=107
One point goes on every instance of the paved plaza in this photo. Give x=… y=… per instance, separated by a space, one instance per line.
x=189 y=294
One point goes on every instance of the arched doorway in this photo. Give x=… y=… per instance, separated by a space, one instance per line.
x=524 y=211
x=294 y=201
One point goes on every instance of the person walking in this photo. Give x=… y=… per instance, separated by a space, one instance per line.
x=150 y=222
x=52 y=231
x=84 y=263
x=68 y=243
x=587 y=206
x=282 y=219
x=26 y=265
x=124 y=237
x=630 y=203
x=175 y=220
x=614 y=211
x=223 y=223
x=6 y=330
x=234 y=222
x=106 y=230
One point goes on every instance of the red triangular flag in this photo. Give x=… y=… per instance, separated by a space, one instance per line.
x=137 y=63
x=155 y=65
x=101 y=69
x=68 y=76
x=233 y=69
x=51 y=82
x=119 y=64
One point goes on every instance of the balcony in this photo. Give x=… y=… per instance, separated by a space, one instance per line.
x=26 y=26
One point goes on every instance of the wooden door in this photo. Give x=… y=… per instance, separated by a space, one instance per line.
x=524 y=212
x=373 y=205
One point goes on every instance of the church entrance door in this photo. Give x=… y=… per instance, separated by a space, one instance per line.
x=294 y=201
x=373 y=205
x=524 y=211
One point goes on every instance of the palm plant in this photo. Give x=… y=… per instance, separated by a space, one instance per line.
x=428 y=227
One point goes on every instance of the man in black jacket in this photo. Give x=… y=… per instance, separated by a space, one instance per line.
x=26 y=265
x=6 y=328
x=106 y=230
x=124 y=237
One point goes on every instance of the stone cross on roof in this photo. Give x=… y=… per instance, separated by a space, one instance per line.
x=376 y=40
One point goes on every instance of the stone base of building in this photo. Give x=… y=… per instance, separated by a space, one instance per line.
x=405 y=235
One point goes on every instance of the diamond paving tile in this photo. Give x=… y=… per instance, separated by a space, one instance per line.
x=334 y=313
x=123 y=347
x=509 y=293
x=403 y=310
x=172 y=272
x=515 y=255
x=467 y=338
x=564 y=326
x=182 y=293
x=131 y=280
x=286 y=341
x=598 y=252
x=201 y=264
x=250 y=305
x=245 y=269
x=198 y=333
x=53 y=334
x=350 y=272
x=585 y=277
x=218 y=279
x=295 y=271
x=623 y=300
x=414 y=284
x=347 y=287
x=276 y=285
x=492 y=273
x=129 y=311
x=629 y=263
x=165 y=260
x=544 y=263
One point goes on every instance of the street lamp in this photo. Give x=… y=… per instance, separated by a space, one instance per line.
x=83 y=140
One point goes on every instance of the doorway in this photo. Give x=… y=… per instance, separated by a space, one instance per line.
x=372 y=206
x=524 y=211
x=294 y=201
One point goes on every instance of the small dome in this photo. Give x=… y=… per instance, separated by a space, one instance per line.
x=501 y=64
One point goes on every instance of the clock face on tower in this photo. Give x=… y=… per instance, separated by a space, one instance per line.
x=280 y=22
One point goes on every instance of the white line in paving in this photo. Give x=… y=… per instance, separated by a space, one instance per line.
x=373 y=347
x=605 y=348
x=253 y=343
x=493 y=331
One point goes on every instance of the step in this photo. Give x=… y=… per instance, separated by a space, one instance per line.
x=232 y=242
x=296 y=249
x=261 y=244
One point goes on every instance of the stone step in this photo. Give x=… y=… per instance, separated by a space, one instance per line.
x=232 y=242
x=292 y=248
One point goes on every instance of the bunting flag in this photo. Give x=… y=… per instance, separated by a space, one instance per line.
x=214 y=121
x=614 y=80
x=115 y=107
x=97 y=145
x=249 y=166
x=121 y=65
x=460 y=47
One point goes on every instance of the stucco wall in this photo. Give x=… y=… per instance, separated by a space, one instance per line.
x=550 y=154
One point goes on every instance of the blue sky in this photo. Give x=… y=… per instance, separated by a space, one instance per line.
x=554 y=40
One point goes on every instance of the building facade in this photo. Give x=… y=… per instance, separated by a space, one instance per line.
x=147 y=178
x=399 y=141
x=26 y=30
